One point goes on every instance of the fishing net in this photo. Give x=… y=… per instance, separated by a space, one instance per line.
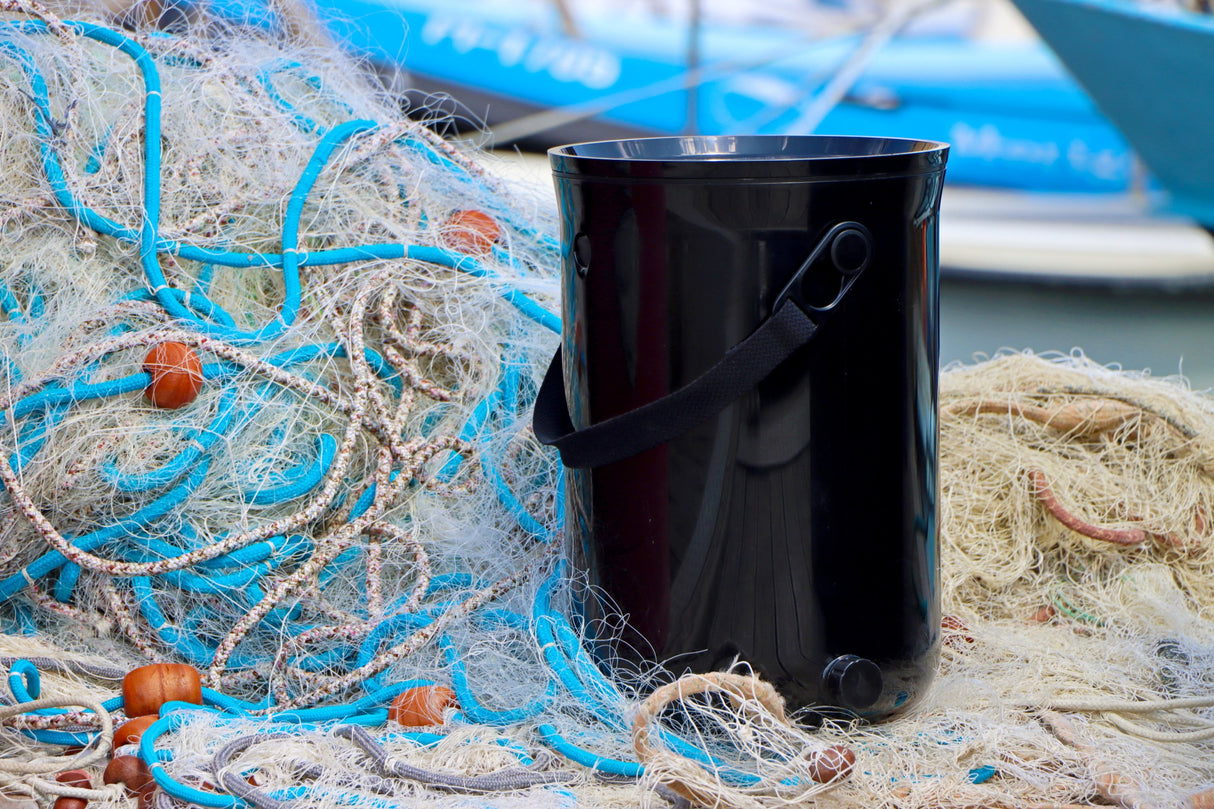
x=269 y=357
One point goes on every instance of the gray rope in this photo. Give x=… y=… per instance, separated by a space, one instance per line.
x=250 y=794
x=513 y=779
x=367 y=780
x=664 y=792
x=673 y=798
x=236 y=785
x=300 y=769
x=98 y=670
x=502 y=781
x=163 y=800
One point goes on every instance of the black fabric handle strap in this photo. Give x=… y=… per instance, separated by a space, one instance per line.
x=742 y=367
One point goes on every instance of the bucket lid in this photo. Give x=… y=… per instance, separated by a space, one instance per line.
x=791 y=158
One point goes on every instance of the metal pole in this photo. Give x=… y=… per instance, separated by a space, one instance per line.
x=694 y=80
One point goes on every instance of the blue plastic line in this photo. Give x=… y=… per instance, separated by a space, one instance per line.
x=23 y=620
x=8 y=302
x=195 y=300
x=32 y=435
x=25 y=682
x=184 y=643
x=232 y=705
x=97 y=153
x=65 y=582
x=79 y=392
x=197 y=442
x=599 y=697
x=365 y=705
x=980 y=775
x=147 y=751
x=407 y=622
x=218 y=583
x=551 y=737
x=87 y=542
x=60 y=737
x=504 y=399
x=300 y=480
x=471 y=706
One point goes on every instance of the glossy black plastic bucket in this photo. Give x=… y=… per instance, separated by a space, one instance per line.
x=794 y=527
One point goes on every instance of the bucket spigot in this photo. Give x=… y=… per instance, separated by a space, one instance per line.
x=852 y=682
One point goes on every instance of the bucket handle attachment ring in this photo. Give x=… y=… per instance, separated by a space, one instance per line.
x=848 y=246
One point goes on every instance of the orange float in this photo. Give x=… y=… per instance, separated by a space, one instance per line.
x=146 y=688
x=129 y=732
x=471 y=231
x=176 y=375
x=75 y=778
x=832 y=763
x=423 y=705
x=64 y=802
x=131 y=772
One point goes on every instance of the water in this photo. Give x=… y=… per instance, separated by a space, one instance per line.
x=1165 y=331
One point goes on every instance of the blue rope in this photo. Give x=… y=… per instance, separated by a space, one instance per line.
x=198 y=441
x=148 y=238
x=470 y=705
x=25 y=684
x=167 y=722
x=298 y=481
x=552 y=737
x=148 y=533
x=581 y=677
x=53 y=560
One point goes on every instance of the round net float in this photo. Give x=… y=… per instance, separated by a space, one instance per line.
x=131 y=772
x=129 y=732
x=423 y=705
x=832 y=763
x=75 y=778
x=176 y=375
x=471 y=231
x=70 y=803
x=146 y=688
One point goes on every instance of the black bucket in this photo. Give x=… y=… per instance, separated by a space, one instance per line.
x=750 y=352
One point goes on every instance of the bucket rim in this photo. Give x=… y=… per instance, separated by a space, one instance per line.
x=788 y=157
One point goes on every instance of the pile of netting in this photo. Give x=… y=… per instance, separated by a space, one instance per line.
x=1078 y=566
x=270 y=350
x=269 y=357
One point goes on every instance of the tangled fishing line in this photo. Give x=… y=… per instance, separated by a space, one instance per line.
x=269 y=357
x=270 y=352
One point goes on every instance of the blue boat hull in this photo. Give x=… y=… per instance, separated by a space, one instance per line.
x=1015 y=119
x=1151 y=70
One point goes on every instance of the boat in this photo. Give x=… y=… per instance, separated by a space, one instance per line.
x=1013 y=115
x=1042 y=186
x=1148 y=67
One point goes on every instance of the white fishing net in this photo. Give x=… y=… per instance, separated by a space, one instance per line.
x=352 y=503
